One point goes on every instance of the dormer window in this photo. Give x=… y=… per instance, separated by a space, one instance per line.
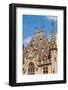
x=26 y=51
x=33 y=40
x=42 y=48
x=40 y=38
x=31 y=45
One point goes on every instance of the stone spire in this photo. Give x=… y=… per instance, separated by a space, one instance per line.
x=53 y=37
x=53 y=44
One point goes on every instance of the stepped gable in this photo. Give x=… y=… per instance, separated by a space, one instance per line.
x=39 y=43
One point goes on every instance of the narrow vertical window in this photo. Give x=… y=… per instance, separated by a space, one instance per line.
x=45 y=70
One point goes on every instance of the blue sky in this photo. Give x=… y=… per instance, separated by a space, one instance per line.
x=30 y=22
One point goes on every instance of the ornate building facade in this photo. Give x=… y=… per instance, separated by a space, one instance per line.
x=40 y=56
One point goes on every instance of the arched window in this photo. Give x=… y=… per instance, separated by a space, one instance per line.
x=53 y=71
x=31 y=68
x=45 y=70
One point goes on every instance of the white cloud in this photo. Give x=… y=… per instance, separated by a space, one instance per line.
x=27 y=40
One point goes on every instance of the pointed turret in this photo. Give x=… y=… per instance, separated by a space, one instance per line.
x=53 y=37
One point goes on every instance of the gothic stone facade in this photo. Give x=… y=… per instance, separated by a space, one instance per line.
x=40 y=56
